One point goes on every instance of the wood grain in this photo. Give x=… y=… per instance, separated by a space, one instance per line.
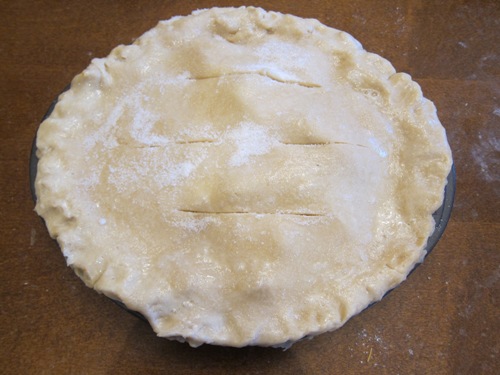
x=444 y=319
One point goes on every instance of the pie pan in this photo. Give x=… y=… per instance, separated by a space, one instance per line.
x=441 y=215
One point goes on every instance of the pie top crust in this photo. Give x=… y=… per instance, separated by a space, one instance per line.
x=242 y=177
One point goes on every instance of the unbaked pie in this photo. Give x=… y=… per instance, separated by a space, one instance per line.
x=242 y=177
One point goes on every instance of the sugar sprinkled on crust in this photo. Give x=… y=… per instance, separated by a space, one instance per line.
x=242 y=177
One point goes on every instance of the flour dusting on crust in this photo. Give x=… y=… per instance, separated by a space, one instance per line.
x=242 y=177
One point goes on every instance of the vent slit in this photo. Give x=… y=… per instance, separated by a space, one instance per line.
x=249 y=213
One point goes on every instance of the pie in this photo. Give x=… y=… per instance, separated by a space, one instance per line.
x=242 y=177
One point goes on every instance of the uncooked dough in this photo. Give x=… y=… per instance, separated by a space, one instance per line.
x=242 y=177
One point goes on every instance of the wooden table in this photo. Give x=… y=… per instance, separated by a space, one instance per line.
x=443 y=320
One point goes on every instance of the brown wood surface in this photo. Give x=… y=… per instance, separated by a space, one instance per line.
x=443 y=320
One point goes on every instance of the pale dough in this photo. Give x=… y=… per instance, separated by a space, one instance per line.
x=242 y=177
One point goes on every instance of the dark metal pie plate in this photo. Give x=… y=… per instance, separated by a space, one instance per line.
x=441 y=216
